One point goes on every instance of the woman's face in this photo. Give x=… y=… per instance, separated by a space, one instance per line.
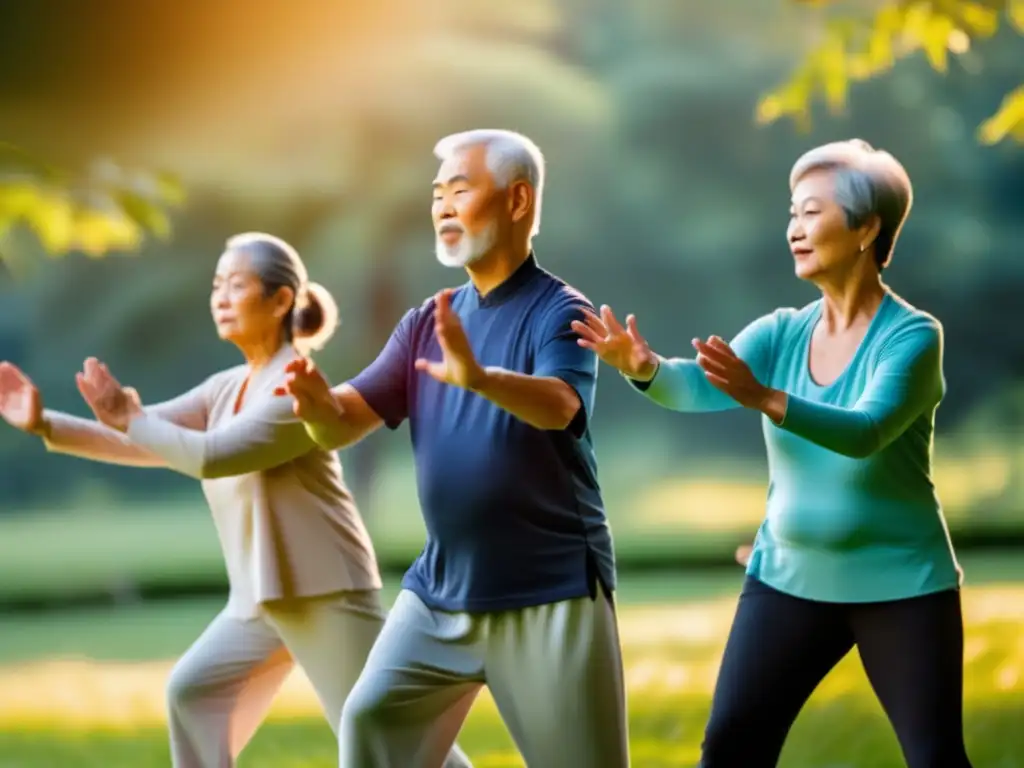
x=242 y=313
x=819 y=234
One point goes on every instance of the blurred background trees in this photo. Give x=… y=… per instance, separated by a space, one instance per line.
x=669 y=125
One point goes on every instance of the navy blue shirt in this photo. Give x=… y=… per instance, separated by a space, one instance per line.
x=514 y=515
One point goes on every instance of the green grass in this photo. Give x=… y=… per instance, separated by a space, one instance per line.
x=85 y=688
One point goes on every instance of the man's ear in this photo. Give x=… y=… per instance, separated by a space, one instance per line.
x=520 y=200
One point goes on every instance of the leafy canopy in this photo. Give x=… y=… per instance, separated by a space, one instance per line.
x=857 y=44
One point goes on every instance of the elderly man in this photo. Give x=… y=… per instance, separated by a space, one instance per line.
x=513 y=589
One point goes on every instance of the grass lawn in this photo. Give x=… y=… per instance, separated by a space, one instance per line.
x=85 y=689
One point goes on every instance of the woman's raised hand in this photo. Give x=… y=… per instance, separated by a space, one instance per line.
x=620 y=347
x=21 y=405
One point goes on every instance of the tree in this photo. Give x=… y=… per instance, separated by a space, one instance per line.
x=858 y=44
x=101 y=209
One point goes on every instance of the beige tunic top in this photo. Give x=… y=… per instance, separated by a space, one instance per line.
x=287 y=524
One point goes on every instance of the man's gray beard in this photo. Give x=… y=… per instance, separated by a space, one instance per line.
x=470 y=248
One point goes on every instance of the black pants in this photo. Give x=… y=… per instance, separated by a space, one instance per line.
x=781 y=647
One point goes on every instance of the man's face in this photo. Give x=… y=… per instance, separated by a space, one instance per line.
x=466 y=208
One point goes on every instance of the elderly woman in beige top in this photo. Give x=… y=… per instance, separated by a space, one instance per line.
x=304 y=583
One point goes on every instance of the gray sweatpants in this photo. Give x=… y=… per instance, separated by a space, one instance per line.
x=220 y=690
x=555 y=672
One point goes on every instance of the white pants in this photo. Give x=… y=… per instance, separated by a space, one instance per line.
x=220 y=690
x=555 y=672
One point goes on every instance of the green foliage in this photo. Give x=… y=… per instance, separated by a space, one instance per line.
x=105 y=208
x=1008 y=120
x=854 y=45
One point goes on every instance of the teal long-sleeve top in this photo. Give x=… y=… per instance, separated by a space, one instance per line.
x=852 y=513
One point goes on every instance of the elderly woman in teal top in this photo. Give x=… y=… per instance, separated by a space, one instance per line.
x=854 y=550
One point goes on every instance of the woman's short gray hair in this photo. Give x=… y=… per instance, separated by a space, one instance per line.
x=313 y=317
x=511 y=157
x=869 y=182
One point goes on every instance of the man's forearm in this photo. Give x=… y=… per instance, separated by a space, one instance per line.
x=348 y=422
x=333 y=433
x=542 y=402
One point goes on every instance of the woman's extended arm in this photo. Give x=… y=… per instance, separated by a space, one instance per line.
x=906 y=382
x=88 y=439
x=263 y=437
x=681 y=385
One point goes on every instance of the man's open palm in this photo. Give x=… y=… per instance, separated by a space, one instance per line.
x=312 y=399
x=21 y=405
x=458 y=365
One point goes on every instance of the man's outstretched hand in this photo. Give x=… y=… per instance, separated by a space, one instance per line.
x=458 y=365
x=313 y=401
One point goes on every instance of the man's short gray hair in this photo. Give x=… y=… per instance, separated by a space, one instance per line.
x=511 y=157
x=869 y=182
